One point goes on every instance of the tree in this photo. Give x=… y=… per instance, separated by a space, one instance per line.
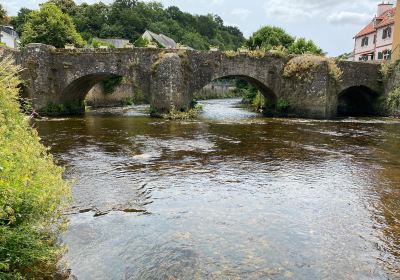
x=19 y=21
x=3 y=14
x=66 y=6
x=303 y=46
x=268 y=37
x=51 y=26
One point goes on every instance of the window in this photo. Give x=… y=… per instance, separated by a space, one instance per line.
x=387 y=54
x=387 y=32
x=375 y=39
x=364 y=42
x=380 y=55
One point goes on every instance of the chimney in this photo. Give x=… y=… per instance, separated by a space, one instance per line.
x=383 y=8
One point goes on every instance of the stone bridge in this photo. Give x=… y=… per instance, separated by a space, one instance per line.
x=169 y=78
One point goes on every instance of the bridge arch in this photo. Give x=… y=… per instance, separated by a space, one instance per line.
x=268 y=93
x=77 y=89
x=357 y=101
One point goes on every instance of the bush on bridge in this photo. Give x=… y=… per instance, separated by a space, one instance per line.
x=302 y=67
x=33 y=193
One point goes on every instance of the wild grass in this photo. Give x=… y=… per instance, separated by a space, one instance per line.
x=33 y=193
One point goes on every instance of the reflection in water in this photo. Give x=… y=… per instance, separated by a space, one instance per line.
x=230 y=196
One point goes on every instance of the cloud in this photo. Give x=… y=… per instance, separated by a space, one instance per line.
x=242 y=14
x=349 y=18
x=300 y=10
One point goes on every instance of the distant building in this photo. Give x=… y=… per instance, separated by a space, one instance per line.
x=161 y=39
x=8 y=36
x=396 y=37
x=374 y=41
x=118 y=43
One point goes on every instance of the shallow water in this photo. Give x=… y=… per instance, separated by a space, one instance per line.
x=230 y=196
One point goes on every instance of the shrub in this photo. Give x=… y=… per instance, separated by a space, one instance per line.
x=283 y=105
x=388 y=67
x=393 y=102
x=127 y=101
x=97 y=43
x=258 y=102
x=192 y=113
x=302 y=67
x=33 y=194
x=63 y=109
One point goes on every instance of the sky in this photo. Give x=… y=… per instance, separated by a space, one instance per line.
x=331 y=24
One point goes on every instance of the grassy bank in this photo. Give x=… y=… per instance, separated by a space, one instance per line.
x=33 y=193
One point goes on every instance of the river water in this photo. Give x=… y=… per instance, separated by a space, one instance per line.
x=232 y=195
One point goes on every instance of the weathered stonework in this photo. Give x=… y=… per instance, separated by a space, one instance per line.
x=169 y=78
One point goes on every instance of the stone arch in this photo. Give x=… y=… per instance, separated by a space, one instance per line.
x=77 y=90
x=267 y=92
x=357 y=101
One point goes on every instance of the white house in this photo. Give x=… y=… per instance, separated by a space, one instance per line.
x=8 y=36
x=374 y=41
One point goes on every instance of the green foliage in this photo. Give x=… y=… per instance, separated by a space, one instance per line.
x=388 y=68
x=246 y=91
x=142 y=42
x=393 y=102
x=138 y=96
x=33 y=194
x=3 y=15
x=97 y=43
x=50 y=26
x=258 y=102
x=127 y=101
x=129 y=19
x=276 y=40
x=63 y=109
x=282 y=105
x=20 y=20
x=192 y=113
x=109 y=85
x=302 y=46
x=268 y=37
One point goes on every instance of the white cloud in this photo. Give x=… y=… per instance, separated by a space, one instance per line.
x=242 y=14
x=349 y=18
x=300 y=10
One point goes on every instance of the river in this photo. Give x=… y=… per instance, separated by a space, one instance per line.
x=231 y=195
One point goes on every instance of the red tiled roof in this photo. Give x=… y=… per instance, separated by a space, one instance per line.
x=366 y=30
x=384 y=21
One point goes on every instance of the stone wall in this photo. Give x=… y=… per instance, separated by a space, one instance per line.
x=169 y=78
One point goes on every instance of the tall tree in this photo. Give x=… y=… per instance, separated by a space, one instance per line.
x=268 y=37
x=66 y=6
x=19 y=21
x=302 y=46
x=51 y=26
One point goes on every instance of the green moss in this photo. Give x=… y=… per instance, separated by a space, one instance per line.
x=109 y=85
x=33 y=194
x=63 y=109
